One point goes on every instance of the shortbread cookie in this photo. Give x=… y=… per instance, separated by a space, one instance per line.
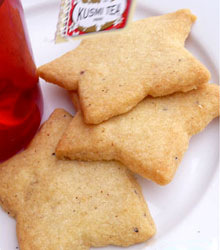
x=71 y=205
x=75 y=100
x=116 y=71
x=151 y=139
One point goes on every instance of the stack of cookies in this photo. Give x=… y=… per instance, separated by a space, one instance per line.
x=140 y=96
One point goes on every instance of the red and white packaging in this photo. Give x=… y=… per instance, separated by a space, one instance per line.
x=80 y=17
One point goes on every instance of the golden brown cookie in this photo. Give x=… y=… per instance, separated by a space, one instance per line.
x=151 y=139
x=71 y=205
x=75 y=100
x=116 y=71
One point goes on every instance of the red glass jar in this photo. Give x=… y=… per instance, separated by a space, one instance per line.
x=20 y=94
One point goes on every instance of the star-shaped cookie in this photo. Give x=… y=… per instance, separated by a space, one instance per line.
x=150 y=139
x=114 y=72
x=71 y=205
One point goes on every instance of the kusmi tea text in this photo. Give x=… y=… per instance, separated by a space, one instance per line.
x=79 y=17
x=93 y=12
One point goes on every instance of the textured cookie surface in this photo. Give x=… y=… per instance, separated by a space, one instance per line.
x=151 y=139
x=75 y=100
x=71 y=205
x=116 y=71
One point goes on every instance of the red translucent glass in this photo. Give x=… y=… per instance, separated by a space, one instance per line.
x=20 y=95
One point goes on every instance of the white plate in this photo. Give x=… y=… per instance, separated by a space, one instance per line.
x=185 y=211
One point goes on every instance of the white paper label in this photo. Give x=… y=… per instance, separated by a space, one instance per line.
x=97 y=14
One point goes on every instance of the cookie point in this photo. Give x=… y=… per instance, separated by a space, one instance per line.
x=187 y=12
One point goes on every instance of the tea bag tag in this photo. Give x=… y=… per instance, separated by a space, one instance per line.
x=81 y=17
